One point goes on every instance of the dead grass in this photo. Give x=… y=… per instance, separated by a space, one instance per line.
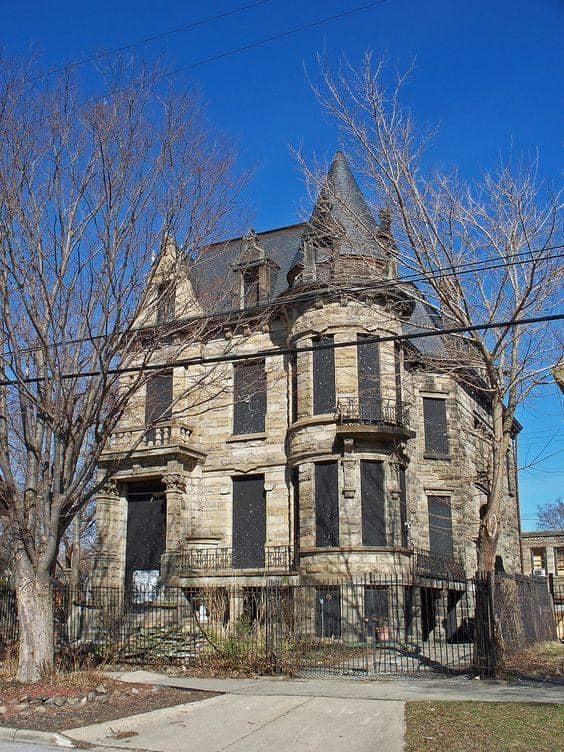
x=542 y=661
x=480 y=726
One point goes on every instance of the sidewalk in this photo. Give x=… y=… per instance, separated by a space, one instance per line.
x=456 y=688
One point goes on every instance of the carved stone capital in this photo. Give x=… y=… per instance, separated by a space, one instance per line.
x=109 y=488
x=175 y=482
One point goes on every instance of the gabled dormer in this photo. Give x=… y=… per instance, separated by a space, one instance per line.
x=254 y=273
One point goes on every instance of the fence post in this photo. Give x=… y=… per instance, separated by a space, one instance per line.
x=485 y=642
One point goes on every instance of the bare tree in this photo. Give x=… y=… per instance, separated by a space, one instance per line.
x=550 y=515
x=92 y=196
x=444 y=229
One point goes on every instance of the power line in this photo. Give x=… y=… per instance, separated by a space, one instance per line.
x=185 y=27
x=272 y=352
x=435 y=274
x=230 y=53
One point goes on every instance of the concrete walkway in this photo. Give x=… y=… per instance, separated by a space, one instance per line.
x=255 y=723
x=291 y=714
x=456 y=688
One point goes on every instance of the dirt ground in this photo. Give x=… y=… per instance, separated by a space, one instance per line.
x=69 y=702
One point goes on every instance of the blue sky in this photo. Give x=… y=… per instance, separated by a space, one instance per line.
x=489 y=73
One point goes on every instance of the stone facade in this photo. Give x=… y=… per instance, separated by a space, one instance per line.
x=193 y=459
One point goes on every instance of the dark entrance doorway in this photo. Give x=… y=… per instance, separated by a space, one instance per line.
x=328 y=612
x=146 y=528
x=249 y=522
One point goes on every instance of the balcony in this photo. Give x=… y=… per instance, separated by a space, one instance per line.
x=193 y=562
x=378 y=418
x=437 y=566
x=166 y=437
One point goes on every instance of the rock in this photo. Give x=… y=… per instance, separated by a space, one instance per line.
x=3 y=710
x=40 y=709
x=36 y=701
x=101 y=689
x=73 y=700
x=134 y=691
x=24 y=698
x=22 y=706
x=59 y=701
x=83 y=700
x=91 y=696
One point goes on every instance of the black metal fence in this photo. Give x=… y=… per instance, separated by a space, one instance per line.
x=8 y=616
x=371 y=626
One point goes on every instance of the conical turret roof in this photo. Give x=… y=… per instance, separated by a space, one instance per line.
x=341 y=221
x=342 y=208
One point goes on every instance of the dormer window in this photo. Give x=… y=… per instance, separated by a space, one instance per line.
x=166 y=294
x=250 y=287
x=254 y=271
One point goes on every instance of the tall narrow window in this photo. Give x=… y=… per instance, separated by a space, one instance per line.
x=403 y=506
x=166 y=294
x=158 y=401
x=326 y=505
x=435 y=420
x=250 y=292
x=397 y=376
x=440 y=525
x=294 y=386
x=323 y=377
x=368 y=366
x=373 y=503
x=249 y=522
x=249 y=397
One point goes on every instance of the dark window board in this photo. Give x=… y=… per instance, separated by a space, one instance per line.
x=326 y=505
x=324 y=399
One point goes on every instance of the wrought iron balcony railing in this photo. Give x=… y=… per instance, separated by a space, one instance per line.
x=200 y=560
x=165 y=433
x=384 y=412
x=435 y=565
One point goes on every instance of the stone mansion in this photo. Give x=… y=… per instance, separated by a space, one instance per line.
x=325 y=443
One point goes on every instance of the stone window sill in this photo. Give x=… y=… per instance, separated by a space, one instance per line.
x=431 y=456
x=245 y=437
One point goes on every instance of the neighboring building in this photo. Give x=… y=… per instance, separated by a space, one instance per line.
x=365 y=457
x=543 y=555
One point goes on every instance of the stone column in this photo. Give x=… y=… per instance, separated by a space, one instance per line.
x=111 y=525
x=177 y=515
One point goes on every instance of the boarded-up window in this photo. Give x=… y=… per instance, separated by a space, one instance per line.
x=166 y=293
x=250 y=282
x=436 y=438
x=326 y=504
x=249 y=397
x=403 y=505
x=368 y=365
x=397 y=376
x=376 y=610
x=249 y=522
x=323 y=377
x=294 y=386
x=373 y=503
x=158 y=401
x=440 y=525
x=328 y=612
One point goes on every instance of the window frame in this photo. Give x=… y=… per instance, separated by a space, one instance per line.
x=239 y=422
x=430 y=452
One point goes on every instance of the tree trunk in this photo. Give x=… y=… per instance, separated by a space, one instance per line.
x=34 y=598
x=75 y=555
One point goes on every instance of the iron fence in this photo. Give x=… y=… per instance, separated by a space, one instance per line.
x=432 y=564
x=367 y=627
x=8 y=616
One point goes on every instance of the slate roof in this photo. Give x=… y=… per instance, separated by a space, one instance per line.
x=213 y=267
x=212 y=275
